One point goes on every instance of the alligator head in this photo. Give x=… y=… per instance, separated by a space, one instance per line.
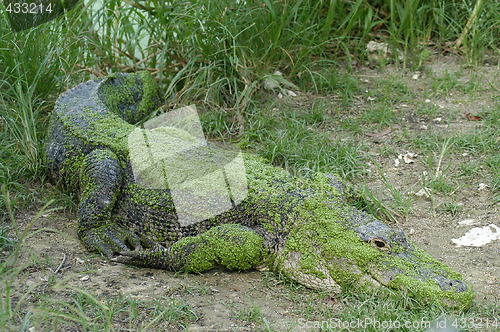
x=337 y=246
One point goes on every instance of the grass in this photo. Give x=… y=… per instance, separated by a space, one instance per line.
x=252 y=314
x=385 y=308
x=371 y=311
x=218 y=55
x=291 y=139
x=382 y=116
x=452 y=208
x=82 y=310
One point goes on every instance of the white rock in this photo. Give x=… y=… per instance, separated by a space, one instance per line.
x=478 y=236
x=382 y=50
x=271 y=83
x=423 y=192
x=407 y=157
x=467 y=222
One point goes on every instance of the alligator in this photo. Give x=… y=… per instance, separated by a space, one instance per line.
x=302 y=227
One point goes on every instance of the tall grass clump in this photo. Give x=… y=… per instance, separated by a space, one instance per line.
x=216 y=53
x=220 y=52
x=36 y=65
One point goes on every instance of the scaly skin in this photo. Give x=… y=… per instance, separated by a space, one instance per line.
x=301 y=227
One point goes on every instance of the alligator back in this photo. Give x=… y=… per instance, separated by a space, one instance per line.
x=95 y=115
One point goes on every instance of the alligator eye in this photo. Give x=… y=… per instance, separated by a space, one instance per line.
x=380 y=244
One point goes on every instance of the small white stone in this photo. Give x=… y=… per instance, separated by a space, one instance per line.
x=423 y=192
x=467 y=222
x=407 y=157
x=271 y=84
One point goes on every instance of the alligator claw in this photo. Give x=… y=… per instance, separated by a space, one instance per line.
x=154 y=256
x=111 y=239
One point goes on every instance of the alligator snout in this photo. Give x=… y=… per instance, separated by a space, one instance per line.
x=402 y=265
x=452 y=284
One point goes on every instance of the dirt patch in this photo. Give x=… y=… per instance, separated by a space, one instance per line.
x=228 y=301
x=433 y=231
x=428 y=225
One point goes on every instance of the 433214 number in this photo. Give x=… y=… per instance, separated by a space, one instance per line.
x=28 y=8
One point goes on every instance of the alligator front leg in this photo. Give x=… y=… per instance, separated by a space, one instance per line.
x=233 y=246
x=101 y=181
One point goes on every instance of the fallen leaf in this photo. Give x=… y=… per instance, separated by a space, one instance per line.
x=472 y=117
x=383 y=133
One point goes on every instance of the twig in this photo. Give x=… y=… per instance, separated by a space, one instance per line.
x=470 y=23
x=60 y=265
x=130 y=56
x=150 y=10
